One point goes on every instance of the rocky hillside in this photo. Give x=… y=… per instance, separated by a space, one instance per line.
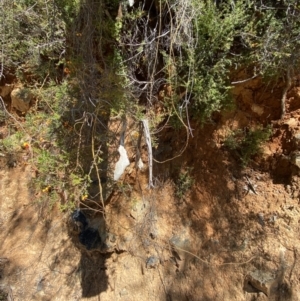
x=210 y=229
x=149 y=150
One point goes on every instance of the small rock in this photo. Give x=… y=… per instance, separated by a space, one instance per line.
x=179 y=241
x=244 y=244
x=40 y=284
x=295 y=194
x=111 y=237
x=273 y=219
x=123 y=292
x=257 y=109
x=295 y=158
x=261 y=219
x=152 y=262
x=153 y=232
x=109 y=242
x=133 y=214
x=21 y=99
x=146 y=242
x=261 y=281
x=297 y=139
x=292 y=122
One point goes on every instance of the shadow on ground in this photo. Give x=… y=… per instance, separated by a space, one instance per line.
x=227 y=238
x=93 y=275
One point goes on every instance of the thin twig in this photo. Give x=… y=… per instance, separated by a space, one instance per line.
x=95 y=159
x=149 y=147
x=250 y=185
x=209 y=263
x=244 y=80
x=284 y=93
x=162 y=281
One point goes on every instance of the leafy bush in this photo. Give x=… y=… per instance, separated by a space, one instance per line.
x=12 y=143
x=274 y=36
x=54 y=164
x=183 y=183
x=195 y=45
x=120 y=62
x=33 y=40
x=247 y=143
x=215 y=31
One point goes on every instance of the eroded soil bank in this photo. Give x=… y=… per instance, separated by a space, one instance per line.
x=233 y=236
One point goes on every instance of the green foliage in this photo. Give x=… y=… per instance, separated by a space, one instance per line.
x=53 y=178
x=273 y=35
x=247 y=143
x=33 y=39
x=195 y=48
x=76 y=180
x=201 y=46
x=183 y=183
x=3 y=116
x=236 y=35
x=209 y=58
x=121 y=64
x=66 y=129
x=68 y=9
x=46 y=134
x=12 y=143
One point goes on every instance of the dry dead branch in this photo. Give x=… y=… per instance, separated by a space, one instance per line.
x=149 y=148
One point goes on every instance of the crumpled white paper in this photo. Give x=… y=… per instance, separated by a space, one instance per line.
x=140 y=164
x=122 y=163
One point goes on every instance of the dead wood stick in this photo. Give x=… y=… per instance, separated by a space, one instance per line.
x=149 y=147
x=286 y=88
x=250 y=185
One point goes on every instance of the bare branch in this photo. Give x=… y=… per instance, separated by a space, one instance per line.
x=244 y=80
x=284 y=93
x=149 y=147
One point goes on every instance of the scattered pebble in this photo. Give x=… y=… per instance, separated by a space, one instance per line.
x=152 y=262
x=153 y=233
x=123 y=292
x=273 y=218
x=261 y=219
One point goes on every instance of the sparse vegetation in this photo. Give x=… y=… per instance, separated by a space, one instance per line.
x=3 y=295
x=98 y=73
x=184 y=183
x=170 y=62
x=247 y=143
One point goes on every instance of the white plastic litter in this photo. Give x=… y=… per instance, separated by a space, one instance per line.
x=140 y=164
x=122 y=163
x=131 y=2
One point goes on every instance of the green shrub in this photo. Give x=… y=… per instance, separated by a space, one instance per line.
x=183 y=183
x=33 y=42
x=215 y=31
x=247 y=143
